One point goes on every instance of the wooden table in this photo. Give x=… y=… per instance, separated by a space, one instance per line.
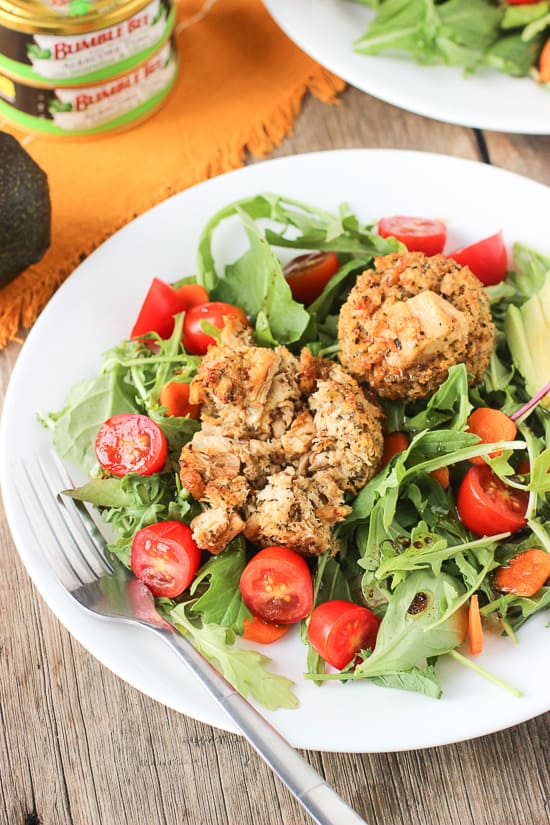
x=80 y=747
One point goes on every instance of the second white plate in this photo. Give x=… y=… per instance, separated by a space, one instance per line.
x=326 y=30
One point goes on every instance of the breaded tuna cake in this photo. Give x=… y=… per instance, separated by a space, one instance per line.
x=409 y=319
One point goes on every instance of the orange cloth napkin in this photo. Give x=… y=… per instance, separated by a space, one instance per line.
x=240 y=87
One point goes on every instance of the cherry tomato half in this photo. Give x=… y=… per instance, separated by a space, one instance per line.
x=158 y=309
x=165 y=557
x=191 y=295
x=195 y=340
x=418 y=234
x=276 y=586
x=487 y=506
x=307 y=275
x=487 y=259
x=143 y=604
x=263 y=633
x=338 y=630
x=131 y=443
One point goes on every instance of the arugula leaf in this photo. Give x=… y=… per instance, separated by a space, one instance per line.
x=420 y=680
x=133 y=502
x=265 y=291
x=449 y=405
x=245 y=669
x=222 y=603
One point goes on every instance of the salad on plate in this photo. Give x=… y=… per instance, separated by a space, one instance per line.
x=512 y=36
x=344 y=433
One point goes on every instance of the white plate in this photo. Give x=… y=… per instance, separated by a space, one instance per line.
x=95 y=308
x=327 y=29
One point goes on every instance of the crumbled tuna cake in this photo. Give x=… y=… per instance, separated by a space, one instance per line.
x=283 y=439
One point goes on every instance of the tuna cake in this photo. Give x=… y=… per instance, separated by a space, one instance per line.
x=409 y=319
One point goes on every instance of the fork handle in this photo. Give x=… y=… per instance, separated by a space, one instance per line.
x=318 y=798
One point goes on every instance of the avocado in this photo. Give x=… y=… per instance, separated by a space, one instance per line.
x=527 y=330
x=25 y=209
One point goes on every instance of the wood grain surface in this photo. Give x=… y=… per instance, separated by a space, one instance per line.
x=80 y=747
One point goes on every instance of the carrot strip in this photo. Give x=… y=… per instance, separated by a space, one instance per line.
x=475 y=629
x=525 y=574
x=544 y=63
x=394 y=443
x=175 y=397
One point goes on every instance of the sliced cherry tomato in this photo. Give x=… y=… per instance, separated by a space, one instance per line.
x=491 y=425
x=418 y=234
x=131 y=443
x=307 y=275
x=157 y=312
x=338 y=630
x=487 y=506
x=195 y=340
x=276 y=586
x=487 y=259
x=191 y=295
x=175 y=397
x=256 y=630
x=165 y=557
x=143 y=604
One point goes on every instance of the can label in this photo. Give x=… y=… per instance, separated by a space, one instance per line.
x=85 y=110
x=66 y=57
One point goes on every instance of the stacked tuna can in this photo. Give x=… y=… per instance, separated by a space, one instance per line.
x=84 y=67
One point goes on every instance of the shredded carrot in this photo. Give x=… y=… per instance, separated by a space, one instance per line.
x=544 y=63
x=525 y=574
x=394 y=443
x=175 y=397
x=442 y=475
x=475 y=629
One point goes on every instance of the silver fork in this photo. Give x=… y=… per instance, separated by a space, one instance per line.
x=69 y=537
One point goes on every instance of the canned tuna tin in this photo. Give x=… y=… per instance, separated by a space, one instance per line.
x=42 y=48
x=92 y=110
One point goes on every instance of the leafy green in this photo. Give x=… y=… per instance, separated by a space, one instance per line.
x=266 y=297
x=468 y=33
x=244 y=669
x=221 y=603
x=134 y=502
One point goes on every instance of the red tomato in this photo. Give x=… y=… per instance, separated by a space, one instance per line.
x=418 y=234
x=487 y=259
x=165 y=557
x=157 y=312
x=276 y=586
x=487 y=506
x=307 y=275
x=143 y=604
x=521 y=2
x=256 y=630
x=338 y=630
x=191 y=295
x=195 y=340
x=131 y=443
